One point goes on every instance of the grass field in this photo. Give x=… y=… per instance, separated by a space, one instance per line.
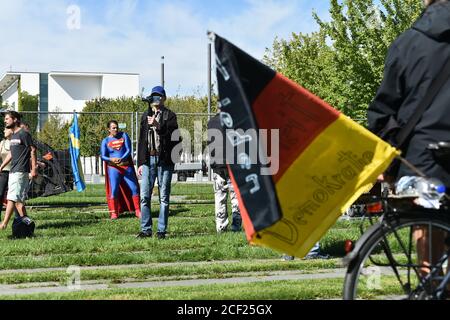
x=108 y=253
x=95 y=194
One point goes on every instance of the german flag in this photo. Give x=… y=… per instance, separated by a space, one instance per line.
x=325 y=160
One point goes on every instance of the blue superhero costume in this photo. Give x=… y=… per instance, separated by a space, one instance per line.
x=121 y=182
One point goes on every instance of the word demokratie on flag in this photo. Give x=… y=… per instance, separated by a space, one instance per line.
x=326 y=160
x=74 y=148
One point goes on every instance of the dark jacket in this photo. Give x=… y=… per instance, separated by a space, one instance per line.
x=168 y=124
x=217 y=149
x=414 y=59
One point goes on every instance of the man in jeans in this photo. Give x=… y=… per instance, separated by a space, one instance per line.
x=155 y=160
x=23 y=167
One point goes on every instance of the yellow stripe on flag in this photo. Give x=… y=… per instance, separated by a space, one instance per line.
x=75 y=141
x=340 y=165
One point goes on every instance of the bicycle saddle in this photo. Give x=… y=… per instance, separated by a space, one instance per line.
x=441 y=151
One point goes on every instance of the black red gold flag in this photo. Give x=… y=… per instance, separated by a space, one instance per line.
x=325 y=160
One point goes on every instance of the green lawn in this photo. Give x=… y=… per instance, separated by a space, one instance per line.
x=84 y=236
x=275 y=290
x=95 y=195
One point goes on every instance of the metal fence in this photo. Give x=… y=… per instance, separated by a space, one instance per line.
x=191 y=182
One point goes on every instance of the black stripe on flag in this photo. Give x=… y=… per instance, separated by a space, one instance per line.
x=241 y=79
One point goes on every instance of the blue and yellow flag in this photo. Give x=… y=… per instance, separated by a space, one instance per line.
x=74 y=146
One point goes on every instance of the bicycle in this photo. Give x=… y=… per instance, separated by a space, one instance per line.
x=385 y=263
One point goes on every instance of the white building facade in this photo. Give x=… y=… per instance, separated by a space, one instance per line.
x=67 y=91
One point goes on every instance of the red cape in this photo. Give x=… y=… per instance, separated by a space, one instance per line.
x=124 y=197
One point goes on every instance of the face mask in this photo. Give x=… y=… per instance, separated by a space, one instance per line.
x=156 y=100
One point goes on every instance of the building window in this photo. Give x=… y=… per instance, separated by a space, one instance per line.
x=43 y=98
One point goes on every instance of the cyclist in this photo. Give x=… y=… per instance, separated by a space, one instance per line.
x=414 y=59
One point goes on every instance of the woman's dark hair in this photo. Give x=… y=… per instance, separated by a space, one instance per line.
x=112 y=121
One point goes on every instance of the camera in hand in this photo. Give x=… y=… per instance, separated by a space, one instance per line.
x=148 y=99
x=152 y=99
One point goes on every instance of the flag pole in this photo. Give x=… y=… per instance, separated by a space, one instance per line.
x=209 y=99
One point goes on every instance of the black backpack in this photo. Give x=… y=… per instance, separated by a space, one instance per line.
x=23 y=228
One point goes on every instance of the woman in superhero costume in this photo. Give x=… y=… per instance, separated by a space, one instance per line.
x=121 y=183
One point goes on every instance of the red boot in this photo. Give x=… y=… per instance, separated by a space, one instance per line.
x=137 y=206
x=113 y=209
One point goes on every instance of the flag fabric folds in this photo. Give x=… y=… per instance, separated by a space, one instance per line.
x=325 y=160
x=74 y=148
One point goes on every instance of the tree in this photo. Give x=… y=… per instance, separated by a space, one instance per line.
x=19 y=93
x=185 y=106
x=93 y=126
x=306 y=59
x=343 y=62
x=28 y=102
x=55 y=132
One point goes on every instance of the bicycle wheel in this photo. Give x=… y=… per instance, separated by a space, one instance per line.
x=387 y=264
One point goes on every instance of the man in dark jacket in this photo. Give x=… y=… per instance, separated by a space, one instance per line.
x=155 y=160
x=414 y=59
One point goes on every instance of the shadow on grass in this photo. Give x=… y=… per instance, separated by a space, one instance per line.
x=335 y=248
x=172 y=212
x=65 y=205
x=66 y=224
x=12 y=238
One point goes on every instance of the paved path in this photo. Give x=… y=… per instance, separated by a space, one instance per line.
x=134 y=266
x=53 y=287
x=149 y=265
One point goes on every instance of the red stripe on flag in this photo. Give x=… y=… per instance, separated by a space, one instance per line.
x=248 y=224
x=298 y=114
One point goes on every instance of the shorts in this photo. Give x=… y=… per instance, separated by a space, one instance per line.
x=17 y=186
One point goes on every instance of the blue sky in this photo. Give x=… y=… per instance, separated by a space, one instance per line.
x=132 y=35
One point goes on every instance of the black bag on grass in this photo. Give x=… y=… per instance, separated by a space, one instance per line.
x=23 y=228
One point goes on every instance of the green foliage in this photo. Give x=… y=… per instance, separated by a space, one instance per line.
x=19 y=93
x=4 y=106
x=28 y=102
x=195 y=125
x=306 y=59
x=55 y=132
x=93 y=126
x=343 y=62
